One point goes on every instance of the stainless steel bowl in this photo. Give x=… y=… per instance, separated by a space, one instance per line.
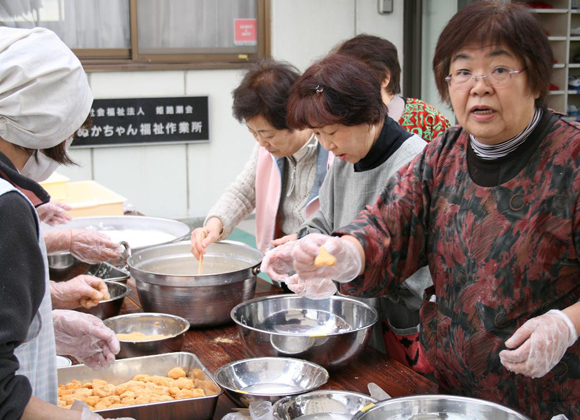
x=110 y=307
x=172 y=326
x=269 y=378
x=426 y=407
x=167 y=280
x=341 y=404
x=61 y=261
x=330 y=332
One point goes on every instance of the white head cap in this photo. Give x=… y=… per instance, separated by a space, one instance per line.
x=44 y=92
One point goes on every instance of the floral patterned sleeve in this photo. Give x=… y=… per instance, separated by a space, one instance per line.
x=393 y=231
x=424 y=120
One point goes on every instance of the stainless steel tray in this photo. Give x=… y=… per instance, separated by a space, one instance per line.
x=108 y=272
x=200 y=408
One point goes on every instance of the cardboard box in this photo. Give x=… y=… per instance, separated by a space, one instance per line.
x=89 y=198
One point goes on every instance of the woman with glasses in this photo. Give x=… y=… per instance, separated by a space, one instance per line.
x=493 y=207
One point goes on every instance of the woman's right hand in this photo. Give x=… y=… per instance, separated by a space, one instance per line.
x=349 y=258
x=202 y=237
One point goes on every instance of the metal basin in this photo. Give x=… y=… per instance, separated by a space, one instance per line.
x=150 y=324
x=427 y=407
x=269 y=378
x=330 y=332
x=339 y=405
x=167 y=280
x=111 y=307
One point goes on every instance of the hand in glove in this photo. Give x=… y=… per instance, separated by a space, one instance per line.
x=85 y=291
x=54 y=213
x=278 y=262
x=87 y=414
x=87 y=245
x=541 y=342
x=203 y=237
x=312 y=289
x=348 y=263
x=85 y=337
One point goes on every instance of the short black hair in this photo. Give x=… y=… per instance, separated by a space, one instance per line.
x=264 y=91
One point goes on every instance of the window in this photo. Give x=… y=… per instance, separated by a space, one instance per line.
x=150 y=34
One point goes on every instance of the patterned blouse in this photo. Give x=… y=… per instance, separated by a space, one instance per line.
x=423 y=120
x=498 y=255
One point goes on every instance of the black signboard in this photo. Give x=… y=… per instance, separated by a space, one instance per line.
x=145 y=121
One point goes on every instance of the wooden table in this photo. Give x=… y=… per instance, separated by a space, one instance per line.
x=217 y=346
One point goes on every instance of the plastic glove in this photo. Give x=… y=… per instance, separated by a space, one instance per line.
x=541 y=342
x=312 y=289
x=203 y=237
x=85 y=337
x=87 y=414
x=85 y=291
x=348 y=261
x=278 y=262
x=87 y=245
x=281 y=241
x=54 y=213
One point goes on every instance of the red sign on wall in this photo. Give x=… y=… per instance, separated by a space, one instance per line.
x=245 y=32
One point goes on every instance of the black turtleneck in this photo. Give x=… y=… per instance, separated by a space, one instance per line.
x=491 y=173
x=391 y=138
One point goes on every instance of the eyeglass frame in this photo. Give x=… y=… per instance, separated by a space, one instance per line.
x=512 y=73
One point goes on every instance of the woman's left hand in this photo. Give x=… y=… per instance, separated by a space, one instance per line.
x=539 y=344
x=54 y=213
x=83 y=290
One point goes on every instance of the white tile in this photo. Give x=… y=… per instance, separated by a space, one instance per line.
x=137 y=84
x=305 y=30
x=152 y=178
x=83 y=172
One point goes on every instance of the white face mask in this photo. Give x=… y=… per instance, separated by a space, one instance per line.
x=39 y=167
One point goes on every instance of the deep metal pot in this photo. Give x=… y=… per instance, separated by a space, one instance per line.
x=167 y=280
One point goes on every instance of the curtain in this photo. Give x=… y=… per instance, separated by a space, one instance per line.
x=190 y=24
x=79 y=23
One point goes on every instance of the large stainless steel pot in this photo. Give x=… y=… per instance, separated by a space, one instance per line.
x=438 y=407
x=167 y=280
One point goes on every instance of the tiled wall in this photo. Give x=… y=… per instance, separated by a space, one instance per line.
x=179 y=181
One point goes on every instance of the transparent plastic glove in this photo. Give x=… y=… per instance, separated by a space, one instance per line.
x=87 y=245
x=377 y=392
x=348 y=261
x=54 y=213
x=85 y=337
x=312 y=289
x=85 y=291
x=278 y=262
x=234 y=416
x=560 y=417
x=87 y=414
x=284 y=239
x=203 y=237
x=539 y=344
x=261 y=410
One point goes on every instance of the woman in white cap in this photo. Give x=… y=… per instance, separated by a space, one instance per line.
x=44 y=99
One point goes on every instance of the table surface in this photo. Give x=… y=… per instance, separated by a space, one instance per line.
x=218 y=346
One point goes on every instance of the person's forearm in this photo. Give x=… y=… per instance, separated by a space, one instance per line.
x=41 y=410
x=57 y=241
x=359 y=248
x=573 y=312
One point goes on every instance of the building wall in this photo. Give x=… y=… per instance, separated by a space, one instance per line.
x=183 y=181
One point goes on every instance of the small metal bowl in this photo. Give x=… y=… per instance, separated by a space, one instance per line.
x=269 y=378
x=174 y=327
x=438 y=407
x=111 y=307
x=61 y=261
x=341 y=404
x=330 y=332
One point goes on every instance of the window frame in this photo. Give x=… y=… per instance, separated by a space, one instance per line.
x=129 y=59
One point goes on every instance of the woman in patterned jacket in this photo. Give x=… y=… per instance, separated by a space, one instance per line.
x=493 y=207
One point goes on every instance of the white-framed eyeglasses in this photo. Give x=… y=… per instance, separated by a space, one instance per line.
x=463 y=80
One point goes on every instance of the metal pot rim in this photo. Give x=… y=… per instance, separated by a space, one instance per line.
x=455 y=398
x=289 y=334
